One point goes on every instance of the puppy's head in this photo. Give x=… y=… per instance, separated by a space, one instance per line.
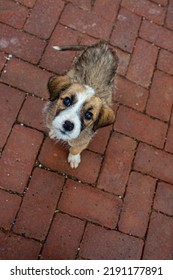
x=74 y=107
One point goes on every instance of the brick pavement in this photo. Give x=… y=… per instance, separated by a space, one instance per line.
x=119 y=203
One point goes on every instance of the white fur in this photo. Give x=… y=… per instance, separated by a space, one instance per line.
x=74 y=160
x=71 y=114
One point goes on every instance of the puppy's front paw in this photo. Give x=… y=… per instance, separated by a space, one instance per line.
x=74 y=160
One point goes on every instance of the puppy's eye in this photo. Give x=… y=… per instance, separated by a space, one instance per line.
x=67 y=101
x=88 y=115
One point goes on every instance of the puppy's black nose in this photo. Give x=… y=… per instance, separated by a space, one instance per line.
x=68 y=126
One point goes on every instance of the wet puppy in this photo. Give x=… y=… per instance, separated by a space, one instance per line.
x=80 y=101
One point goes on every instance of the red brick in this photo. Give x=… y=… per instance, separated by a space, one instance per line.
x=165 y=61
x=40 y=201
x=117 y=164
x=141 y=127
x=146 y=9
x=55 y=61
x=154 y=162
x=11 y=101
x=26 y=77
x=157 y=35
x=123 y=61
x=89 y=203
x=161 y=98
x=99 y=243
x=84 y=4
x=169 y=140
x=159 y=239
x=18 y=157
x=13 y=13
x=87 y=22
x=44 y=14
x=142 y=63
x=65 y=235
x=9 y=205
x=107 y=10
x=135 y=215
x=161 y=2
x=169 y=16
x=54 y=156
x=2 y=61
x=34 y=119
x=21 y=44
x=125 y=31
x=164 y=197
x=99 y=141
x=15 y=247
x=130 y=94
x=28 y=3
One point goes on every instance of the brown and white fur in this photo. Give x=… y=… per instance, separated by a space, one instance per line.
x=80 y=101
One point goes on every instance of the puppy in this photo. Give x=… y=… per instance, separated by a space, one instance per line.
x=80 y=101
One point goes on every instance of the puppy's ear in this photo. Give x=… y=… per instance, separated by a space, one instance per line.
x=56 y=84
x=106 y=117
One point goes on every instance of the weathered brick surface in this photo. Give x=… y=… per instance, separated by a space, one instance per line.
x=64 y=238
x=156 y=34
x=137 y=205
x=88 y=23
x=154 y=162
x=142 y=63
x=40 y=200
x=54 y=156
x=159 y=240
x=125 y=30
x=146 y=9
x=141 y=127
x=107 y=10
x=99 y=243
x=165 y=61
x=26 y=77
x=89 y=203
x=18 y=158
x=48 y=13
x=160 y=100
x=13 y=14
x=21 y=44
x=15 y=247
x=11 y=101
x=36 y=119
x=164 y=197
x=55 y=61
x=2 y=61
x=130 y=94
x=118 y=203
x=9 y=205
x=122 y=148
x=28 y=3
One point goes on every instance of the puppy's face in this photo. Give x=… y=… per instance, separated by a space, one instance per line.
x=73 y=108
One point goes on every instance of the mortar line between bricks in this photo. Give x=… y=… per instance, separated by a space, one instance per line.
x=48 y=39
x=114 y=21
x=166 y=13
x=25 y=188
x=53 y=217
x=14 y=123
x=169 y=125
x=79 y=247
x=145 y=237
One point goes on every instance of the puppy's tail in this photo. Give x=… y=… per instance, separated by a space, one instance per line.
x=70 y=48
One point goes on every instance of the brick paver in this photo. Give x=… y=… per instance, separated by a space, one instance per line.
x=118 y=203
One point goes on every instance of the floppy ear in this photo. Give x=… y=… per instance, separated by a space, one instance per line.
x=56 y=84
x=106 y=117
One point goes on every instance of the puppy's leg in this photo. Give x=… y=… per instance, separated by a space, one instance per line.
x=74 y=156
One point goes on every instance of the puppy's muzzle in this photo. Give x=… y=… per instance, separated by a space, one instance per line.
x=68 y=126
